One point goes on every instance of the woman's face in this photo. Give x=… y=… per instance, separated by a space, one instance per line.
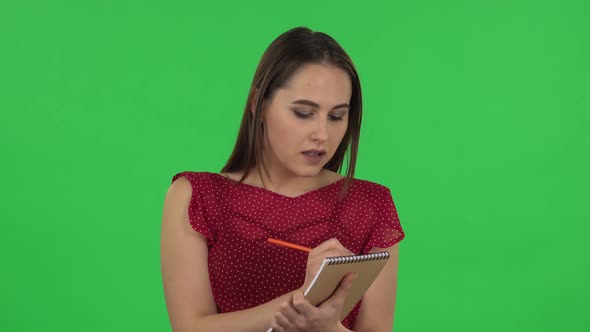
x=309 y=113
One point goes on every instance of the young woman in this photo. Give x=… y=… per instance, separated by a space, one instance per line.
x=282 y=181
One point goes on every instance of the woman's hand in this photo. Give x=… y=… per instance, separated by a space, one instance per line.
x=329 y=248
x=299 y=315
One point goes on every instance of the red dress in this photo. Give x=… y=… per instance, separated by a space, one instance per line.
x=236 y=219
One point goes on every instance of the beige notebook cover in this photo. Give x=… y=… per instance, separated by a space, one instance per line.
x=333 y=269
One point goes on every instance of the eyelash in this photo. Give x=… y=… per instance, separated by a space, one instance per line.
x=302 y=115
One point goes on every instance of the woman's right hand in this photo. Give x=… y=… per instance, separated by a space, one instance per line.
x=329 y=248
x=300 y=315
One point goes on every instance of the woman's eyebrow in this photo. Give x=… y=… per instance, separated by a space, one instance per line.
x=313 y=104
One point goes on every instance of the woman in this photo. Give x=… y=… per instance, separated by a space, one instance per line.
x=281 y=181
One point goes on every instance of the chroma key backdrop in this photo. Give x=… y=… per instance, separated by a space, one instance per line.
x=476 y=116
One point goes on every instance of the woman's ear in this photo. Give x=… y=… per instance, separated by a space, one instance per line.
x=262 y=111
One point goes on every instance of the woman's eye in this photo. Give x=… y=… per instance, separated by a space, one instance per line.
x=336 y=118
x=305 y=115
x=302 y=115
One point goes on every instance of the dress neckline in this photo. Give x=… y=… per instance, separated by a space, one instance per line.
x=264 y=190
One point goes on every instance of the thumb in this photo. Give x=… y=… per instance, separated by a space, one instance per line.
x=342 y=290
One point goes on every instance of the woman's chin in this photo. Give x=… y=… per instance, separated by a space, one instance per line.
x=308 y=172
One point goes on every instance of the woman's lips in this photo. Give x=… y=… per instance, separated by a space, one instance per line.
x=314 y=156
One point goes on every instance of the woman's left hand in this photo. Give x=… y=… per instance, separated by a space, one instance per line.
x=298 y=315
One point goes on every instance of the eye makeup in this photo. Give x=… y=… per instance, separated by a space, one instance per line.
x=305 y=115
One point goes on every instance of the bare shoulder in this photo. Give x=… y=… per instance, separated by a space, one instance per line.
x=180 y=187
x=178 y=196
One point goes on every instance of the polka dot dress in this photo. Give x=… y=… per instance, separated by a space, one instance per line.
x=237 y=219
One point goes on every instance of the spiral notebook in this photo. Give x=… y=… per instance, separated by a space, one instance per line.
x=333 y=269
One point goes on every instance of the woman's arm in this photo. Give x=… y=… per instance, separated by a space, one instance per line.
x=187 y=290
x=376 y=312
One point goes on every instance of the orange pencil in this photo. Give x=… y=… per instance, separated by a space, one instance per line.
x=289 y=245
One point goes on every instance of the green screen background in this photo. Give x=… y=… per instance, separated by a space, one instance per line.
x=476 y=117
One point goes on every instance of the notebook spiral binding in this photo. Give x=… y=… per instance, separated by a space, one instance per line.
x=357 y=258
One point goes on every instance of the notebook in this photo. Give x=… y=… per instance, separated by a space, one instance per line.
x=333 y=269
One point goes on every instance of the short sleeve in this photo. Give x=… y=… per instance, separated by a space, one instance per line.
x=196 y=210
x=386 y=230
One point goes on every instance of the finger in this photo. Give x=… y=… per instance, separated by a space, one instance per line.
x=339 y=295
x=328 y=245
x=289 y=311
x=338 y=248
x=302 y=306
x=274 y=325
x=328 y=248
x=283 y=322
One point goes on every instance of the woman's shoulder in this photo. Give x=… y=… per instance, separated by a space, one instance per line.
x=369 y=184
x=369 y=189
x=198 y=178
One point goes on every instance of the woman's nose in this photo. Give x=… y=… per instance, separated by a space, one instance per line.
x=321 y=130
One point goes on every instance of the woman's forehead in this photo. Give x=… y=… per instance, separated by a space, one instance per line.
x=318 y=83
x=318 y=75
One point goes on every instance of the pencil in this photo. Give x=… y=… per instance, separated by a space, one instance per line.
x=289 y=245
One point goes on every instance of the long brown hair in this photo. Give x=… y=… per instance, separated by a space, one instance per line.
x=286 y=54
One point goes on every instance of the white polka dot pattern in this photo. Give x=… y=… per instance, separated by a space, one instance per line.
x=236 y=219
